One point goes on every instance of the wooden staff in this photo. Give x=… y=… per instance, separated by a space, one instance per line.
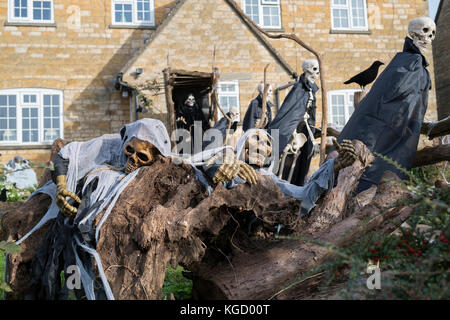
x=319 y=59
x=264 y=98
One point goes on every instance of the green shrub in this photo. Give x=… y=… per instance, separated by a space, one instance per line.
x=177 y=284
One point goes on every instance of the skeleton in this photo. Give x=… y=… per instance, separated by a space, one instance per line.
x=190 y=102
x=312 y=71
x=422 y=31
x=258 y=149
x=139 y=153
x=234 y=114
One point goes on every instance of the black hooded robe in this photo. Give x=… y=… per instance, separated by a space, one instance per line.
x=290 y=117
x=389 y=118
x=254 y=113
x=190 y=115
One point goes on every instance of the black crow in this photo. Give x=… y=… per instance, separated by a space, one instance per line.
x=367 y=76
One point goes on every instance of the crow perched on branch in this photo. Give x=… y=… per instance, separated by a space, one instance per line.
x=367 y=76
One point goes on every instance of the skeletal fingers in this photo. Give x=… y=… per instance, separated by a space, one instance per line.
x=247 y=173
x=347 y=154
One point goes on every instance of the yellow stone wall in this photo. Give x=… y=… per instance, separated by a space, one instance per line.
x=82 y=54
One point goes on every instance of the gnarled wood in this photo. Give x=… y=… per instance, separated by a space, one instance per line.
x=431 y=155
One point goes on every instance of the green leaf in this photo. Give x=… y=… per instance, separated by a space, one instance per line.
x=10 y=247
x=5 y=287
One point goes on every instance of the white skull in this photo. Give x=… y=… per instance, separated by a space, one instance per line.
x=422 y=31
x=190 y=101
x=234 y=114
x=311 y=69
x=269 y=92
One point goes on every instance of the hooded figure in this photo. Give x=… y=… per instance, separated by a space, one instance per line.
x=290 y=118
x=254 y=111
x=95 y=171
x=320 y=183
x=389 y=118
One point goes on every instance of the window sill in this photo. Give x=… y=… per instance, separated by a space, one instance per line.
x=272 y=29
x=30 y=24
x=131 y=26
x=350 y=31
x=25 y=147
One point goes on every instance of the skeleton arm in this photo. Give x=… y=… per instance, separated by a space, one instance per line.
x=59 y=178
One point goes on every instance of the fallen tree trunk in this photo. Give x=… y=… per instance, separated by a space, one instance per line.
x=436 y=129
x=431 y=155
x=265 y=273
x=166 y=217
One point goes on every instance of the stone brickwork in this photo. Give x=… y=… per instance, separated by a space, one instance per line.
x=82 y=54
x=441 y=53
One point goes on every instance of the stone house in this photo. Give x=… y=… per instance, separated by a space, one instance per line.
x=70 y=68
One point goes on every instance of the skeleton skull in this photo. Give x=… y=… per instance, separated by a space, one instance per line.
x=311 y=69
x=269 y=91
x=190 y=101
x=234 y=114
x=139 y=153
x=422 y=31
x=258 y=147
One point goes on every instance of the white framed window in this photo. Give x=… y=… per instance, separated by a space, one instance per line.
x=31 y=116
x=349 y=15
x=340 y=106
x=265 y=13
x=133 y=12
x=229 y=96
x=38 y=11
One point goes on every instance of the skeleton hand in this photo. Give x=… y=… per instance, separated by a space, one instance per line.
x=181 y=119
x=61 y=194
x=347 y=154
x=233 y=167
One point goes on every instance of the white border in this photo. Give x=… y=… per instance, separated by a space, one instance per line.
x=348 y=7
x=19 y=92
x=30 y=19
x=134 y=14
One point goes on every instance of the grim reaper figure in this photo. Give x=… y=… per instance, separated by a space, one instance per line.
x=389 y=118
x=253 y=116
x=189 y=115
x=297 y=116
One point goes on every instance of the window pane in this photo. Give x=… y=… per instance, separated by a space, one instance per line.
x=46 y=111
x=55 y=100
x=37 y=14
x=3 y=112
x=46 y=100
x=3 y=100
x=26 y=136
x=12 y=100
